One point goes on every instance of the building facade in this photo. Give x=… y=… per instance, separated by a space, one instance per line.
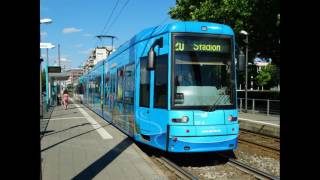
x=74 y=74
x=97 y=55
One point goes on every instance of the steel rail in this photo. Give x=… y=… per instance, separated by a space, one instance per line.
x=251 y=170
x=258 y=144
x=181 y=171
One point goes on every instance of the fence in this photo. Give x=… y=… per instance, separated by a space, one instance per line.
x=264 y=106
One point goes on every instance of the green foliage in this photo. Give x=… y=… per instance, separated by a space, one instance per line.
x=232 y=12
x=266 y=75
x=275 y=75
x=260 y=18
x=263 y=78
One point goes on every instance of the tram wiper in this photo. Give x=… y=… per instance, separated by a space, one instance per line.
x=213 y=107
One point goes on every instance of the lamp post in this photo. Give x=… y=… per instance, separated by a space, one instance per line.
x=47 y=76
x=246 y=67
x=42 y=21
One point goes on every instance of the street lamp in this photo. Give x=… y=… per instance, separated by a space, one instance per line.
x=246 y=66
x=42 y=21
x=47 y=75
x=45 y=21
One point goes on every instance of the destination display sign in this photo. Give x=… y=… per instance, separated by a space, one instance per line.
x=54 y=69
x=203 y=44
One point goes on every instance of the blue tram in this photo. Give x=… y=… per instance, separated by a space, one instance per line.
x=172 y=87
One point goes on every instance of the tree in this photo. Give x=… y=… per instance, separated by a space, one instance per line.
x=260 y=18
x=268 y=75
x=235 y=13
x=263 y=78
x=275 y=75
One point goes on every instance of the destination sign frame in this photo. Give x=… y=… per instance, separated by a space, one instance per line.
x=54 y=69
x=202 y=43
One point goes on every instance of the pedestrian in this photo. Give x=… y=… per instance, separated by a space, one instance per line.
x=65 y=97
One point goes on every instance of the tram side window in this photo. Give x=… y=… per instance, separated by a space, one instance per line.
x=129 y=84
x=161 y=82
x=120 y=84
x=97 y=90
x=107 y=86
x=144 y=83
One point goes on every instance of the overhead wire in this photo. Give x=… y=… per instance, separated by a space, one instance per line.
x=107 y=22
x=114 y=20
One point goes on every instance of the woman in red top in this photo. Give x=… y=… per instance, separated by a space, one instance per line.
x=65 y=98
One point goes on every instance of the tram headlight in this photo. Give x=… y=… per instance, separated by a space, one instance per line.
x=184 y=119
x=231 y=118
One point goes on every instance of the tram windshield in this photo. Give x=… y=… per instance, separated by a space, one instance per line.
x=202 y=71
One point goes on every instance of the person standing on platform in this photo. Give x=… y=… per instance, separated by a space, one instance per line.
x=65 y=97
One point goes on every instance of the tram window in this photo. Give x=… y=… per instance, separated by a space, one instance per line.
x=129 y=84
x=120 y=84
x=144 y=83
x=107 y=86
x=161 y=82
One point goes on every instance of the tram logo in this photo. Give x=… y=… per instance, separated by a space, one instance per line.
x=211 y=131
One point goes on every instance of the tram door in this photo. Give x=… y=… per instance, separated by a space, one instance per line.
x=143 y=111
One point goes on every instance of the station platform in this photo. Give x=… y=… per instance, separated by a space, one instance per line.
x=78 y=144
x=260 y=123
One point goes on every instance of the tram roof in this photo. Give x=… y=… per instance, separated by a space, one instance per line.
x=178 y=26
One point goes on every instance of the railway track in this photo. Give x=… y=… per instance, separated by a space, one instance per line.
x=248 y=169
x=262 y=141
x=186 y=167
x=181 y=173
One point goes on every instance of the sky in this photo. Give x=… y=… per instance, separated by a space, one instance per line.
x=76 y=23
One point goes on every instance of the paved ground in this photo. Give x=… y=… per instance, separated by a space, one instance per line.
x=78 y=144
x=260 y=123
x=260 y=118
x=75 y=147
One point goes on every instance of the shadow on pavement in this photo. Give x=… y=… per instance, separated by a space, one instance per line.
x=44 y=121
x=45 y=132
x=71 y=138
x=92 y=170
x=69 y=108
x=83 y=124
x=58 y=115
